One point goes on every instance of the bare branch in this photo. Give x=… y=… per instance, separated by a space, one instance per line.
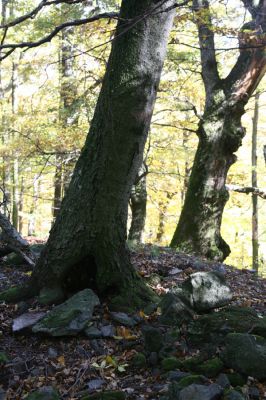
x=247 y=190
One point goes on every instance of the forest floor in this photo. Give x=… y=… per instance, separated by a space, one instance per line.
x=79 y=366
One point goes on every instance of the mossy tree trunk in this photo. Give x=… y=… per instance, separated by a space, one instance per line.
x=138 y=205
x=87 y=244
x=220 y=132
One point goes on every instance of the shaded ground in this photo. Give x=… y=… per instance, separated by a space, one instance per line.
x=78 y=366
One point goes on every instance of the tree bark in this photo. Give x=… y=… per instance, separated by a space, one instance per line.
x=138 y=205
x=87 y=244
x=220 y=134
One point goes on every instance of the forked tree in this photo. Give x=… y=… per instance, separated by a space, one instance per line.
x=220 y=131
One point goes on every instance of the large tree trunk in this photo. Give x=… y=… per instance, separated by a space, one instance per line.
x=87 y=244
x=220 y=134
x=138 y=205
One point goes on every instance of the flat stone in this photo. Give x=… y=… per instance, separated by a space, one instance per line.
x=26 y=321
x=200 y=392
x=204 y=291
x=95 y=384
x=246 y=354
x=70 y=317
x=123 y=319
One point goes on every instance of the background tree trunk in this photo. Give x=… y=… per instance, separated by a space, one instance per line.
x=254 y=183
x=138 y=205
x=220 y=134
x=87 y=244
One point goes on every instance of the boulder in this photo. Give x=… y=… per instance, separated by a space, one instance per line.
x=200 y=392
x=204 y=291
x=246 y=354
x=214 y=327
x=26 y=321
x=70 y=317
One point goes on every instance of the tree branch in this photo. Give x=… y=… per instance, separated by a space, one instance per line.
x=247 y=190
x=210 y=73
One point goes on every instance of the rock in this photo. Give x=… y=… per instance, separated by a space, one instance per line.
x=246 y=354
x=70 y=317
x=223 y=381
x=200 y=392
x=2 y=394
x=209 y=368
x=44 y=393
x=215 y=326
x=171 y=363
x=139 y=360
x=153 y=359
x=95 y=384
x=123 y=319
x=49 y=296
x=108 y=395
x=204 y=291
x=108 y=331
x=254 y=393
x=174 y=271
x=236 y=379
x=52 y=353
x=92 y=332
x=174 y=311
x=153 y=340
x=176 y=376
x=233 y=395
x=26 y=321
x=190 y=379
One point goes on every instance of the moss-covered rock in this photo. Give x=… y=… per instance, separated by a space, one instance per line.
x=236 y=379
x=188 y=380
x=69 y=318
x=139 y=360
x=171 y=363
x=246 y=354
x=3 y=358
x=209 y=368
x=108 y=395
x=44 y=393
x=174 y=311
x=50 y=296
x=233 y=395
x=215 y=326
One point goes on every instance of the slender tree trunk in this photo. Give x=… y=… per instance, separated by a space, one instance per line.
x=220 y=133
x=254 y=183
x=32 y=213
x=163 y=205
x=138 y=205
x=20 y=206
x=68 y=112
x=87 y=244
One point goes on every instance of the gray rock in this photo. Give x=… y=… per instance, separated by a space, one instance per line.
x=95 y=384
x=200 y=392
x=26 y=321
x=44 y=393
x=2 y=394
x=123 y=319
x=246 y=354
x=254 y=393
x=204 y=291
x=92 y=332
x=52 y=353
x=108 y=331
x=153 y=340
x=174 y=311
x=233 y=395
x=223 y=381
x=176 y=376
x=69 y=318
